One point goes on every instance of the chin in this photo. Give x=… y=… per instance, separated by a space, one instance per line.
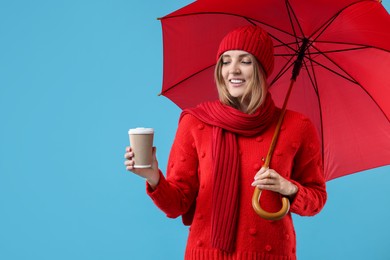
x=236 y=95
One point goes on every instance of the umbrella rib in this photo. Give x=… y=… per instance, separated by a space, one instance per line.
x=330 y=21
x=289 y=8
x=313 y=78
x=251 y=20
x=269 y=25
x=351 y=79
x=322 y=28
x=283 y=44
x=283 y=70
x=314 y=81
x=362 y=46
x=341 y=50
x=287 y=45
x=186 y=78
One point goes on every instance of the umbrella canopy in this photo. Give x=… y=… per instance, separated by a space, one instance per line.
x=344 y=83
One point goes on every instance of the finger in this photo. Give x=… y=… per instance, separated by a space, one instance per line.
x=272 y=174
x=129 y=155
x=256 y=183
x=128 y=148
x=267 y=181
x=263 y=170
x=264 y=182
x=262 y=173
x=154 y=152
x=266 y=187
x=129 y=163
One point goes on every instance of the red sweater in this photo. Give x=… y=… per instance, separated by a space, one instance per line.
x=297 y=158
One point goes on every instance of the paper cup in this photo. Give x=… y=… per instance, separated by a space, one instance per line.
x=141 y=142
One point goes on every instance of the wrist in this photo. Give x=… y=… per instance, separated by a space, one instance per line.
x=154 y=180
x=293 y=190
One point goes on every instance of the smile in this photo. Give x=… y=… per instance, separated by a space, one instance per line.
x=237 y=81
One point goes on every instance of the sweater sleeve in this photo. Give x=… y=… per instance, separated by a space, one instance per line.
x=308 y=175
x=175 y=194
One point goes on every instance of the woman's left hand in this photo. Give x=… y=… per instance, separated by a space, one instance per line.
x=269 y=179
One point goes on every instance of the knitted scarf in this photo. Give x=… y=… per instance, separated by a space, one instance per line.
x=227 y=123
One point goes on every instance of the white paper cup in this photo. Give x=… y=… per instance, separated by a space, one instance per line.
x=141 y=142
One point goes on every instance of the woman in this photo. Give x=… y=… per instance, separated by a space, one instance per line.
x=220 y=147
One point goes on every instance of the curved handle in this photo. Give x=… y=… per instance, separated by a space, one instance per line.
x=268 y=215
x=257 y=193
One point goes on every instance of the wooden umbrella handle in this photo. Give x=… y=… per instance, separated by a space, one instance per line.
x=268 y=215
x=257 y=192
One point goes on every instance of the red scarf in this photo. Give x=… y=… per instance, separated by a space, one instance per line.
x=227 y=123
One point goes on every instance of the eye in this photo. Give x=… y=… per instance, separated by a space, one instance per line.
x=246 y=61
x=225 y=62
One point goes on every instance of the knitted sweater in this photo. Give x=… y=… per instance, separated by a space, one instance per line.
x=297 y=158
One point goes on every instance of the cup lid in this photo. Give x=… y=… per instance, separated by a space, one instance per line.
x=141 y=130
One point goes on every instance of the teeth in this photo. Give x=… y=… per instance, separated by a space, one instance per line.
x=236 y=81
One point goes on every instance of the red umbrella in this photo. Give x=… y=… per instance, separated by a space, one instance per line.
x=343 y=84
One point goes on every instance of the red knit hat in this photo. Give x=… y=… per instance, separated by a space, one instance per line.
x=252 y=39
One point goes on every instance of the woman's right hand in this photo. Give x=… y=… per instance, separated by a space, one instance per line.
x=151 y=175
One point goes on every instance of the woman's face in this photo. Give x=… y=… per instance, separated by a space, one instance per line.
x=237 y=71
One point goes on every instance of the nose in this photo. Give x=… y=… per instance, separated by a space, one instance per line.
x=235 y=69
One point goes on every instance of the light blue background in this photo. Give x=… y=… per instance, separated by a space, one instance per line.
x=74 y=76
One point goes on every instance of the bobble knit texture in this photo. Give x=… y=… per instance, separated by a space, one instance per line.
x=252 y=39
x=227 y=123
x=189 y=178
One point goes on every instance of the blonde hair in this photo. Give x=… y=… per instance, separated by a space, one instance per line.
x=254 y=94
